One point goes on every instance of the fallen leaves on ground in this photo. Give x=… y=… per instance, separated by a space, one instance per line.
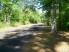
x=44 y=41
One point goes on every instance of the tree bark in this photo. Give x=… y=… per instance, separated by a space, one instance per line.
x=54 y=26
x=5 y=16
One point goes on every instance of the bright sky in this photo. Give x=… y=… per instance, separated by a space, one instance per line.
x=39 y=10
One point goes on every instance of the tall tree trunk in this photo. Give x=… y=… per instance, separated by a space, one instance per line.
x=54 y=26
x=5 y=16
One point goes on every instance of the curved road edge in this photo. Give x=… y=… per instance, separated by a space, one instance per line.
x=17 y=30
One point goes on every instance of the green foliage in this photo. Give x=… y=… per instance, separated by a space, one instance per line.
x=1 y=16
x=15 y=15
x=30 y=17
x=63 y=18
x=2 y=24
x=62 y=12
x=16 y=12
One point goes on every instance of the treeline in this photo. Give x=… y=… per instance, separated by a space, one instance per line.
x=58 y=11
x=16 y=12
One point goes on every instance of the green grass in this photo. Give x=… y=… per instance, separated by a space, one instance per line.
x=12 y=27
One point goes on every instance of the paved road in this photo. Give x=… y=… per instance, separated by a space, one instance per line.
x=3 y=33
x=14 y=43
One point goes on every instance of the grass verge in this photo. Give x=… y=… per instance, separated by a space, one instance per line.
x=10 y=27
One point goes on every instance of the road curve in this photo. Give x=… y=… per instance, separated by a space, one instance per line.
x=16 y=42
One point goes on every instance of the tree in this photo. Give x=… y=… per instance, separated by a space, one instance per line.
x=62 y=6
x=49 y=5
x=62 y=18
x=54 y=25
x=6 y=4
x=19 y=11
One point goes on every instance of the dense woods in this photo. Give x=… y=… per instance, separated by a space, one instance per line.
x=57 y=10
x=17 y=12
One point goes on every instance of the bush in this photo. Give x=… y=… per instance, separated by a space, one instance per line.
x=2 y=24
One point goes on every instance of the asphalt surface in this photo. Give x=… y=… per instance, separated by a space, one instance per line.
x=3 y=33
x=16 y=42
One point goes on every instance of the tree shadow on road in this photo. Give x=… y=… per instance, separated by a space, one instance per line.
x=16 y=42
x=46 y=42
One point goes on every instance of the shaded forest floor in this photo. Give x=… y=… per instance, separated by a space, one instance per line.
x=44 y=41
